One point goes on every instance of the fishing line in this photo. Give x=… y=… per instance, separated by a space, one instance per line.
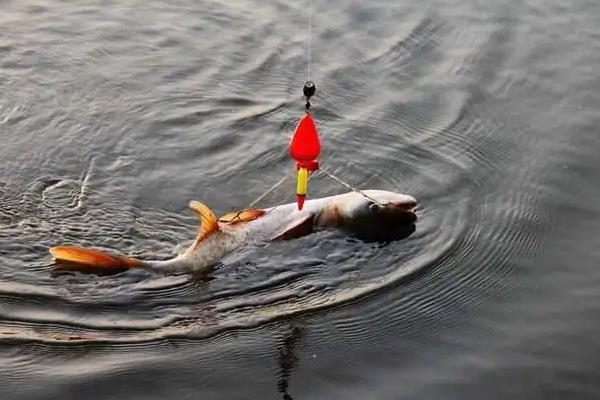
x=309 y=38
x=343 y=183
x=275 y=186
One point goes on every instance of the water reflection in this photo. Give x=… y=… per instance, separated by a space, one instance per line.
x=288 y=359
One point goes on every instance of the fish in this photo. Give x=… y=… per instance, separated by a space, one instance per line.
x=367 y=214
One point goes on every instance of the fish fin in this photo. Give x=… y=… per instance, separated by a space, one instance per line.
x=302 y=226
x=83 y=259
x=208 y=221
x=237 y=217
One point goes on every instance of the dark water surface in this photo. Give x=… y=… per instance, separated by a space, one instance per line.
x=114 y=114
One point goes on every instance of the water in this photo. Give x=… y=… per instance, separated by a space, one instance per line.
x=114 y=115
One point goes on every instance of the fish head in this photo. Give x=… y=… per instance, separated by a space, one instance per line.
x=376 y=214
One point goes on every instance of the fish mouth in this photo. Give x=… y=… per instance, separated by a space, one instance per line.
x=401 y=213
x=404 y=206
x=387 y=222
x=396 y=213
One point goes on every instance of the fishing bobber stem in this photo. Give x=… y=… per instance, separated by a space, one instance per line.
x=302 y=186
x=303 y=173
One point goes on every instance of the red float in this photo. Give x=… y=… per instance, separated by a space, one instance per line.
x=305 y=148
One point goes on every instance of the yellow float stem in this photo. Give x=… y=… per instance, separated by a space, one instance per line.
x=302 y=186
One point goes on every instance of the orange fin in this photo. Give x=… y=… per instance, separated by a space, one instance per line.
x=302 y=226
x=208 y=221
x=80 y=258
x=237 y=217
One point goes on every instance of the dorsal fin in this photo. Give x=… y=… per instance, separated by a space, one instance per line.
x=247 y=215
x=208 y=221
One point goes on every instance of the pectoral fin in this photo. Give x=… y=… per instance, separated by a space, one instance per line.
x=302 y=226
x=208 y=221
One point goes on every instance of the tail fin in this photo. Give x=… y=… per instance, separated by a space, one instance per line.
x=87 y=260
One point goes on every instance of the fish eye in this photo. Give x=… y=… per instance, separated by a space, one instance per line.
x=374 y=207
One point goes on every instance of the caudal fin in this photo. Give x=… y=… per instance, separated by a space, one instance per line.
x=82 y=259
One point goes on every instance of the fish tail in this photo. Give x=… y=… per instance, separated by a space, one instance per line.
x=87 y=260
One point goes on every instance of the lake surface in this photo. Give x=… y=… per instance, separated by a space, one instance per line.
x=114 y=114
